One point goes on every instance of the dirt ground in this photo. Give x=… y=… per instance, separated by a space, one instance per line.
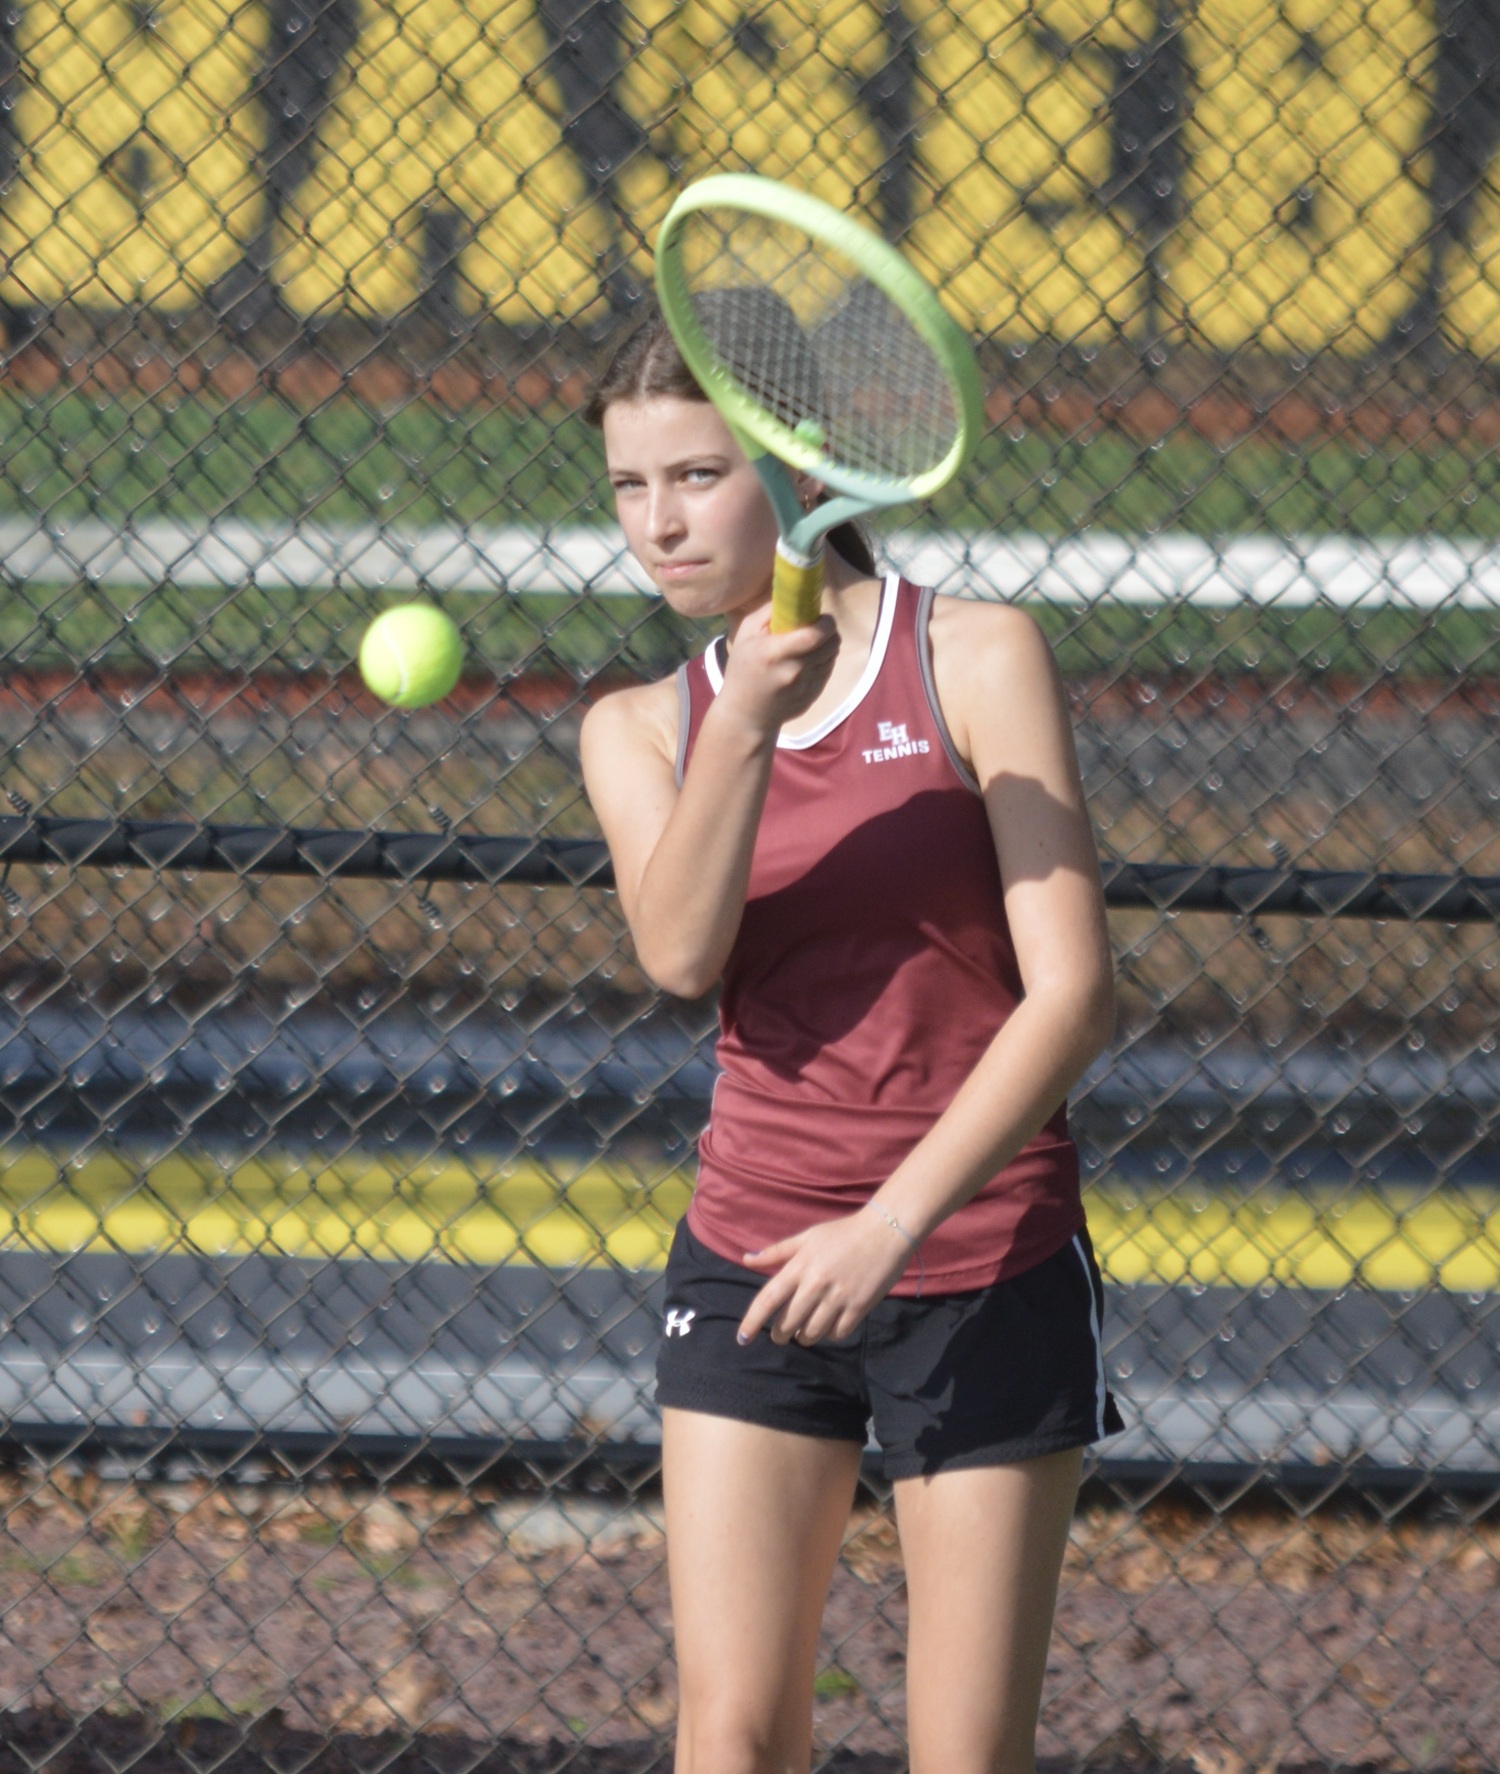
x=249 y=1627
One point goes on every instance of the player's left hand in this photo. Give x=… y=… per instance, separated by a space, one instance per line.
x=824 y=1280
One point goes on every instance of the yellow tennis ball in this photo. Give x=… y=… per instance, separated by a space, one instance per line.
x=411 y=655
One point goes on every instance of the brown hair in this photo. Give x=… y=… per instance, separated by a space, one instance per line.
x=649 y=366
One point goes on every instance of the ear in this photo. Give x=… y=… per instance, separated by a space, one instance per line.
x=810 y=491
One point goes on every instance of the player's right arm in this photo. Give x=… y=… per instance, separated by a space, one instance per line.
x=682 y=856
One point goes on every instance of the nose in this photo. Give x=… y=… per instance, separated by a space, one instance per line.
x=664 y=522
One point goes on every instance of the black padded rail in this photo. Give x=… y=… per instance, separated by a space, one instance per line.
x=584 y=862
x=304 y=850
x=1303 y=893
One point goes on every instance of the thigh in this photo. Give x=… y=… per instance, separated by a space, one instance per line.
x=983 y=1547
x=755 y=1519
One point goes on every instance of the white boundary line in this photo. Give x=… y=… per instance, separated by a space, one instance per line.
x=228 y=555
x=1341 y=571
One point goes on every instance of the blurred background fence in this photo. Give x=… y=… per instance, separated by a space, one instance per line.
x=337 y=1173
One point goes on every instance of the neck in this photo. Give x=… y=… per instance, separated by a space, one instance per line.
x=839 y=580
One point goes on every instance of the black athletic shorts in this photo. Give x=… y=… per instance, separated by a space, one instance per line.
x=1002 y=1373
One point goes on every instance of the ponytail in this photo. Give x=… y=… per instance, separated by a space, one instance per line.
x=852 y=543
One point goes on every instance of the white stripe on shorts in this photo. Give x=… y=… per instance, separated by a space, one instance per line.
x=1097 y=1327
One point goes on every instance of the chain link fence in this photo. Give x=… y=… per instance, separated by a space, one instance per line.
x=343 y=1137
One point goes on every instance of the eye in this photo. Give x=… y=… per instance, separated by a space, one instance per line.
x=701 y=477
x=624 y=483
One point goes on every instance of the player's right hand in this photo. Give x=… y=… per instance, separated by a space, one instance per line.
x=772 y=678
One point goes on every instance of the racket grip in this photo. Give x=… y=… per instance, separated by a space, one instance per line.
x=796 y=590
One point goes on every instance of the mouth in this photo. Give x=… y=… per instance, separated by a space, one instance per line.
x=677 y=569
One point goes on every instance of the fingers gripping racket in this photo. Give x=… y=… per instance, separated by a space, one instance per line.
x=824 y=351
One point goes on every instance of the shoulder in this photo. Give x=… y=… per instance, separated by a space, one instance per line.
x=975 y=633
x=644 y=715
x=990 y=663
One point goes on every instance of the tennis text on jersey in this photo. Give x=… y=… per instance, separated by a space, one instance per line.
x=894 y=744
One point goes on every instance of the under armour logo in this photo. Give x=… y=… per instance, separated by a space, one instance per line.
x=680 y=1320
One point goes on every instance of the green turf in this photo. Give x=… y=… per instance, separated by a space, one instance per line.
x=183 y=628
x=1051 y=486
x=132 y=458
x=78 y=457
x=1366 y=645
x=172 y=628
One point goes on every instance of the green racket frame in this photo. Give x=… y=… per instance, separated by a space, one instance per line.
x=771 y=444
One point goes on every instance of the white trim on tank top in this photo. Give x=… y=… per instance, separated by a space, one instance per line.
x=884 y=623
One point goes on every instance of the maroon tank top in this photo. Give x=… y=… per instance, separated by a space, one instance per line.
x=872 y=968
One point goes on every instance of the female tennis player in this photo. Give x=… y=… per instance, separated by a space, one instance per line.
x=870 y=834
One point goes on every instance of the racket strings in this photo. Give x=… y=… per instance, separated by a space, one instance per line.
x=819 y=346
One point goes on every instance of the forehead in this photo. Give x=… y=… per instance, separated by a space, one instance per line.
x=663 y=429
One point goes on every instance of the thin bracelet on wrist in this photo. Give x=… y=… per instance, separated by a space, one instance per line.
x=901 y=1231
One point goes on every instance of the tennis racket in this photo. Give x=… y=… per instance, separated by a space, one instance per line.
x=824 y=351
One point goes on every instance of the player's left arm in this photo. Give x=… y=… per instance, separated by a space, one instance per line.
x=1007 y=713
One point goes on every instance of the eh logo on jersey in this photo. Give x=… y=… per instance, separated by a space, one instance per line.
x=680 y=1321
x=894 y=744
